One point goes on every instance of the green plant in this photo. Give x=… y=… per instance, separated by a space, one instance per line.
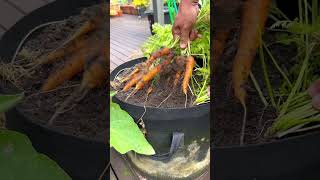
x=200 y=49
x=125 y=134
x=294 y=105
x=18 y=159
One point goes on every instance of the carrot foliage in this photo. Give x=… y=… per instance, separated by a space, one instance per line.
x=199 y=49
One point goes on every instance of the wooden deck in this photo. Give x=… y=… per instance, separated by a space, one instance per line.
x=127 y=34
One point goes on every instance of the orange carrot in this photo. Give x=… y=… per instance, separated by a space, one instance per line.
x=160 y=53
x=135 y=79
x=96 y=74
x=254 y=16
x=73 y=66
x=150 y=89
x=177 y=78
x=87 y=27
x=153 y=72
x=219 y=42
x=130 y=76
x=190 y=63
x=61 y=52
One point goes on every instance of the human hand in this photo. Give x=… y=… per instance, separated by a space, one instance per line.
x=184 y=22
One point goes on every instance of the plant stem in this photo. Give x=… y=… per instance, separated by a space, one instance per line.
x=258 y=89
x=277 y=65
x=266 y=76
x=297 y=84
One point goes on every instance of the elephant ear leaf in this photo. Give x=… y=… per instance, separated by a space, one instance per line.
x=125 y=134
x=19 y=160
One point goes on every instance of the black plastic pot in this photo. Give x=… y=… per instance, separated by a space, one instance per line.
x=170 y=131
x=165 y=124
x=82 y=159
x=295 y=158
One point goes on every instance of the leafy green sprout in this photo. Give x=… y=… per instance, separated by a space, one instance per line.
x=293 y=104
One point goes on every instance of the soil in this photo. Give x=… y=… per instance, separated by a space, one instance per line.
x=228 y=113
x=159 y=96
x=88 y=118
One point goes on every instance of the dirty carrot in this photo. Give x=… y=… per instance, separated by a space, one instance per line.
x=160 y=53
x=177 y=78
x=190 y=63
x=153 y=72
x=96 y=74
x=87 y=27
x=253 y=21
x=61 y=52
x=130 y=76
x=135 y=79
x=73 y=66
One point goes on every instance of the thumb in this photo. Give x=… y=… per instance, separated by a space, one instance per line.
x=185 y=33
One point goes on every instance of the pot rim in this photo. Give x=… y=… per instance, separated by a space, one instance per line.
x=279 y=141
x=135 y=61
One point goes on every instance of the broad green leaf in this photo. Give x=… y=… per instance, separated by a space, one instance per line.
x=125 y=134
x=8 y=101
x=19 y=160
x=113 y=93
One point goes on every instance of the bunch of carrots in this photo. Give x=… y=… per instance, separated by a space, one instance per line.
x=144 y=73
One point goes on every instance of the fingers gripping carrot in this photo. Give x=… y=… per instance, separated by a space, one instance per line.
x=190 y=63
x=253 y=21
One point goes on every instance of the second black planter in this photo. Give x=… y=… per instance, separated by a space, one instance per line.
x=295 y=158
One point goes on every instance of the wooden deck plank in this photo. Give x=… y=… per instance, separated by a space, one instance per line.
x=124 y=41
x=126 y=51
x=127 y=34
x=119 y=45
x=8 y=14
x=121 y=167
x=28 y=5
x=112 y=175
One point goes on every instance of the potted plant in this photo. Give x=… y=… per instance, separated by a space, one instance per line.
x=280 y=135
x=83 y=155
x=141 y=6
x=175 y=124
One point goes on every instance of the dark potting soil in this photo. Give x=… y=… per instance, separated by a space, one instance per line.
x=88 y=117
x=227 y=112
x=163 y=94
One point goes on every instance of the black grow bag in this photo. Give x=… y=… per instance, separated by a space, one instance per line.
x=165 y=125
x=82 y=159
x=295 y=158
